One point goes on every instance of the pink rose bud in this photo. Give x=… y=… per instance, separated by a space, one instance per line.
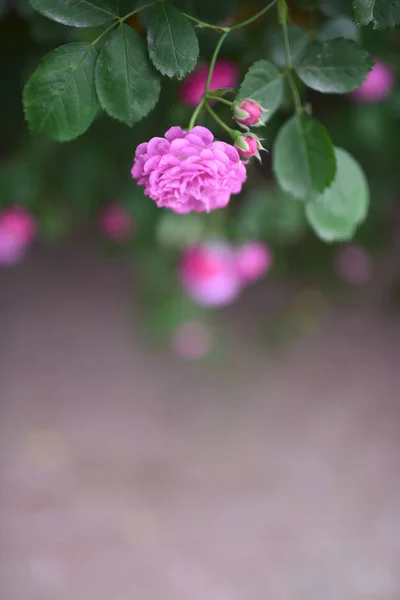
x=248 y=113
x=225 y=75
x=17 y=232
x=377 y=86
x=353 y=265
x=247 y=145
x=252 y=261
x=208 y=274
x=116 y=223
x=192 y=340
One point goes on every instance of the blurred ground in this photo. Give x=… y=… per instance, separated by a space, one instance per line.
x=130 y=474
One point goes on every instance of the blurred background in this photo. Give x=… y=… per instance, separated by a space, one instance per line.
x=200 y=406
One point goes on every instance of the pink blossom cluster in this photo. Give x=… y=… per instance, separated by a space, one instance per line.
x=213 y=274
x=188 y=171
x=17 y=232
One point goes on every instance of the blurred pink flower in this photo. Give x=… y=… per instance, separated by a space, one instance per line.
x=377 y=86
x=252 y=261
x=208 y=274
x=116 y=223
x=189 y=171
x=225 y=75
x=353 y=265
x=192 y=340
x=17 y=232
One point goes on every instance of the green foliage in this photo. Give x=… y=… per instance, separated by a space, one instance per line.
x=263 y=84
x=126 y=83
x=60 y=97
x=334 y=66
x=298 y=40
x=77 y=13
x=386 y=13
x=271 y=215
x=112 y=67
x=383 y=13
x=303 y=158
x=363 y=11
x=336 y=213
x=173 y=46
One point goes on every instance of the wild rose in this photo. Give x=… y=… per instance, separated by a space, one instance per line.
x=377 y=86
x=353 y=265
x=225 y=75
x=248 y=145
x=116 y=222
x=252 y=261
x=188 y=171
x=208 y=274
x=17 y=232
x=192 y=340
x=248 y=113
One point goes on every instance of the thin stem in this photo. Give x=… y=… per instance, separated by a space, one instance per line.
x=213 y=61
x=295 y=93
x=209 y=77
x=196 y=113
x=233 y=27
x=219 y=99
x=216 y=118
x=254 y=17
x=120 y=20
x=286 y=43
x=203 y=24
x=133 y=12
x=289 y=67
x=103 y=33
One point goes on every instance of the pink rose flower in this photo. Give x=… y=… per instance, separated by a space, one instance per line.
x=377 y=86
x=17 y=232
x=188 y=171
x=208 y=274
x=225 y=75
x=354 y=265
x=192 y=340
x=116 y=223
x=252 y=261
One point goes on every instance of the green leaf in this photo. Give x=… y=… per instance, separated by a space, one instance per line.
x=263 y=83
x=363 y=11
x=343 y=27
x=386 y=13
x=335 y=214
x=334 y=66
x=298 y=40
x=127 y=86
x=78 y=13
x=271 y=215
x=173 y=45
x=60 y=97
x=304 y=159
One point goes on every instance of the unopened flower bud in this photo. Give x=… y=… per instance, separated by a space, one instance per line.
x=248 y=113
x=247 y=145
